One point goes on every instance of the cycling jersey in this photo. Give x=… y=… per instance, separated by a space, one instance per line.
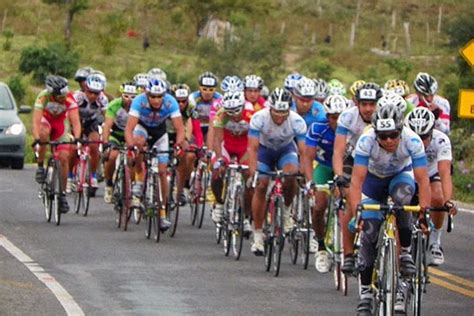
x=259 y=105
x=442 y=111
x=315 y=114
x=439 y=149
x=322 y=136
x=119 y=114
x=350 y=124
x=410 y=153
x=88 y=110
x=217 y=105
x=203 y=107
x=235 y=133
x=188 y=113
x=276 y=136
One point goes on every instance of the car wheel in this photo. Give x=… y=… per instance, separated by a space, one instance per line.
x=17 y=163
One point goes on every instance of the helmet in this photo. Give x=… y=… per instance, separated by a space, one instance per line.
x=387 y=118
x=208 y=79
x=141 y=79
x=335 y=104
x=425 y=84
x=280 y=99
x=233 y=102
x=157 y=73
x=305 y=88
x=128 y=88
x=291 y=80
x=232 y=83
x=390 y=97
x=356 y=85
x=156 y=87
x=253 y=82
x=398 y=86
x=82 y=73
x=56 y=85
x=181 y=91
x=336 y=87
x=421 y=120
x=322 y=89
x=265 y=92
x=368 y=92
x=95 y=82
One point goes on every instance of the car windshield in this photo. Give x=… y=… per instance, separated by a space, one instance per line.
x=5 y=99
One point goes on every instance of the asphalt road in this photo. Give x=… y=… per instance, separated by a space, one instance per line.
x=111 y=272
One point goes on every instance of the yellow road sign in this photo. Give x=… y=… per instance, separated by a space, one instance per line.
x=466 y=104
x=468 y=52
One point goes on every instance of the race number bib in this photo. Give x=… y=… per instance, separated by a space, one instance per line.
x=385 y=125
x=208 y=82
x=368 y=94
x=181 y=93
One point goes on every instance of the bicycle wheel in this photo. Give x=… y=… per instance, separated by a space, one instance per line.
x=87 y=191
x=193 y=197
x=156 y=219
x=418 y=278
x=148 y=211
x=78 y=186
x=117 y=193
x=202 y=198
x=268 y=242
x=126 y=198
x=278 y=238
x=56 y=192
x=387 y=279
x=46 y=195
x=307 y=229
x=238 y=224
x=294 y=241
x=172 y=205
x=226 y=233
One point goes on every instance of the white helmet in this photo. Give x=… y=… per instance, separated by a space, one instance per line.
x=157 y=73
x=335 y=104
x=291 y=81
x=425 y=84
x=280 y=100
x=305 y=88
x=141 y=79
x=322 y=89
x=95 y=82
x=390 y=97
x=233 y=102
x=421 y=120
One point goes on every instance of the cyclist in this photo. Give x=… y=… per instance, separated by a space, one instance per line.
x=271 y=145
x=322 y=90
x=193 y=135
x=390 y=97
x=228 y=84
x=388 y=159
x=146 y=127
x=157 y=73
x=291 y=80
x=231 y=126
x=265 y=92
x=426 y=87
x=304 y=104
x=253 y=86
x=116 y=117
x=55 y=109
x=92 y=104
x=81 y=76
x=319 y=145
x=438 y=153
x=353 y=89
x=350 y=125
x=336 y=87
x=141 y=81
x=401 y=88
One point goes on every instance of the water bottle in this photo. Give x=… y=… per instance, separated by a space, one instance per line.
x=154 y=164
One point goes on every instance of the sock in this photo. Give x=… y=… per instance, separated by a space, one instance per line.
x=405 y=250
x=321 y=245
x=365 y=291
x=70 y=174
x=94 y=175
x=110 y=183
x=435 y=237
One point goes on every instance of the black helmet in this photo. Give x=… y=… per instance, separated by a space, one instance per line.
x=368 y=92
x=208 y=79
x=82 y=73
x=387 y=118
x=425 y=84
x=280 y=99
x=56 y=85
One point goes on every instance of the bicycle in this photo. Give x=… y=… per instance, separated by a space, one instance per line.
x=121 y=192
x=333 y=238
x=82 y=177
x=273 y=227
x=199 y=184
x=50 y=189
x=385 y=273
x=172 y=204
x=233 y=220
x=420 y=242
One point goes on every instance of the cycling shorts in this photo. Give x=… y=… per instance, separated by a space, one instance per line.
x=322 y=174
x=161 y=144
x=269 y=159
x=59 y=131
x=241 y=155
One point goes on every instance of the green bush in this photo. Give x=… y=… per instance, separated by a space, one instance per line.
x=16 y=86
x=401 y=67
x=53 y=59
x=8 y=39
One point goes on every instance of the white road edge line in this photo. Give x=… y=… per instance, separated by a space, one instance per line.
x=66 y=300
x=465 y=210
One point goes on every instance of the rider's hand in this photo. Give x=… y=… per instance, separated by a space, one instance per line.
x=453 y=210
x=341 y=181
x=78 y=143
x=35 y=142
x=309 y=185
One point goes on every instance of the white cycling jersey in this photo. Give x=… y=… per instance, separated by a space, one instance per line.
x=275 y=136
x=443 y=121
x=384 y=164
x=350 y=124
x=90 y=110
x=439 y=149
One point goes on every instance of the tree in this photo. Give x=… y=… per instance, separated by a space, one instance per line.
x=72 y=7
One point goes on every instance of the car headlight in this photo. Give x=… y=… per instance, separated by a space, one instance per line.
x=15 y=129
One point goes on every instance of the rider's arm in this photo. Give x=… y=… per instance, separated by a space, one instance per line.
x=109 y=122
x=308 y=158
x=218 y=140
x=421 y=177
x=132 y=121
x=197 y=132
x=179 y=127
x=75 y=120
x=444 y=170
x=210 y=136
x=359 y=172
x=37 y=115
x=252 y=149
x=338 y=155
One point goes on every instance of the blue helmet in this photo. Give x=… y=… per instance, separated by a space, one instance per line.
x=291 y=81
x=156 y=87
x=232 y=84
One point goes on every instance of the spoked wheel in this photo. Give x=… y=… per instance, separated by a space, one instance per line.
x=156 y=219
x=279 y=238
x=193 y=198
x=238 y=228
x=294 y=242
x=46 y=197
x=306 y=234
x=418 y=278
x=117 y=196
x=202 y=199
x=56 y=193
x=172 y=205
x=268 y=248
x=87 y=191
x=156 y=226
x=226 y=234
x=149 y=222
x=126 y=197
x=340 y=281
x=387 y=278
x=78 y=196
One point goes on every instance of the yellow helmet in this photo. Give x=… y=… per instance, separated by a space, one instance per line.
x=398 y=86
x=356 y=85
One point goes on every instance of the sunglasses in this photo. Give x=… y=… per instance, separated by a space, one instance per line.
x=305 y=100
x=385 y=136
x=425 y=136
x=155 y=96
x=182 y=101
x=281 y=113
x=127 y=96
x=207 y=89
x=93 y=92
x=233 y=112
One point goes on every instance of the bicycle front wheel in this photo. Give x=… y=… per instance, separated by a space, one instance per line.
x=387 y=279
x=126 y=198
x=56 y=192
x=238 y=224
x=202 y=199
x=172 y=205
x=418 y=278
x=307 y=229
x=87 y=191
x=279 y=238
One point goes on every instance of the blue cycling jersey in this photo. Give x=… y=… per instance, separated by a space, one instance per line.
x=202 y=107
x=322 y=136
x=315 y=114
x=150 y=118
